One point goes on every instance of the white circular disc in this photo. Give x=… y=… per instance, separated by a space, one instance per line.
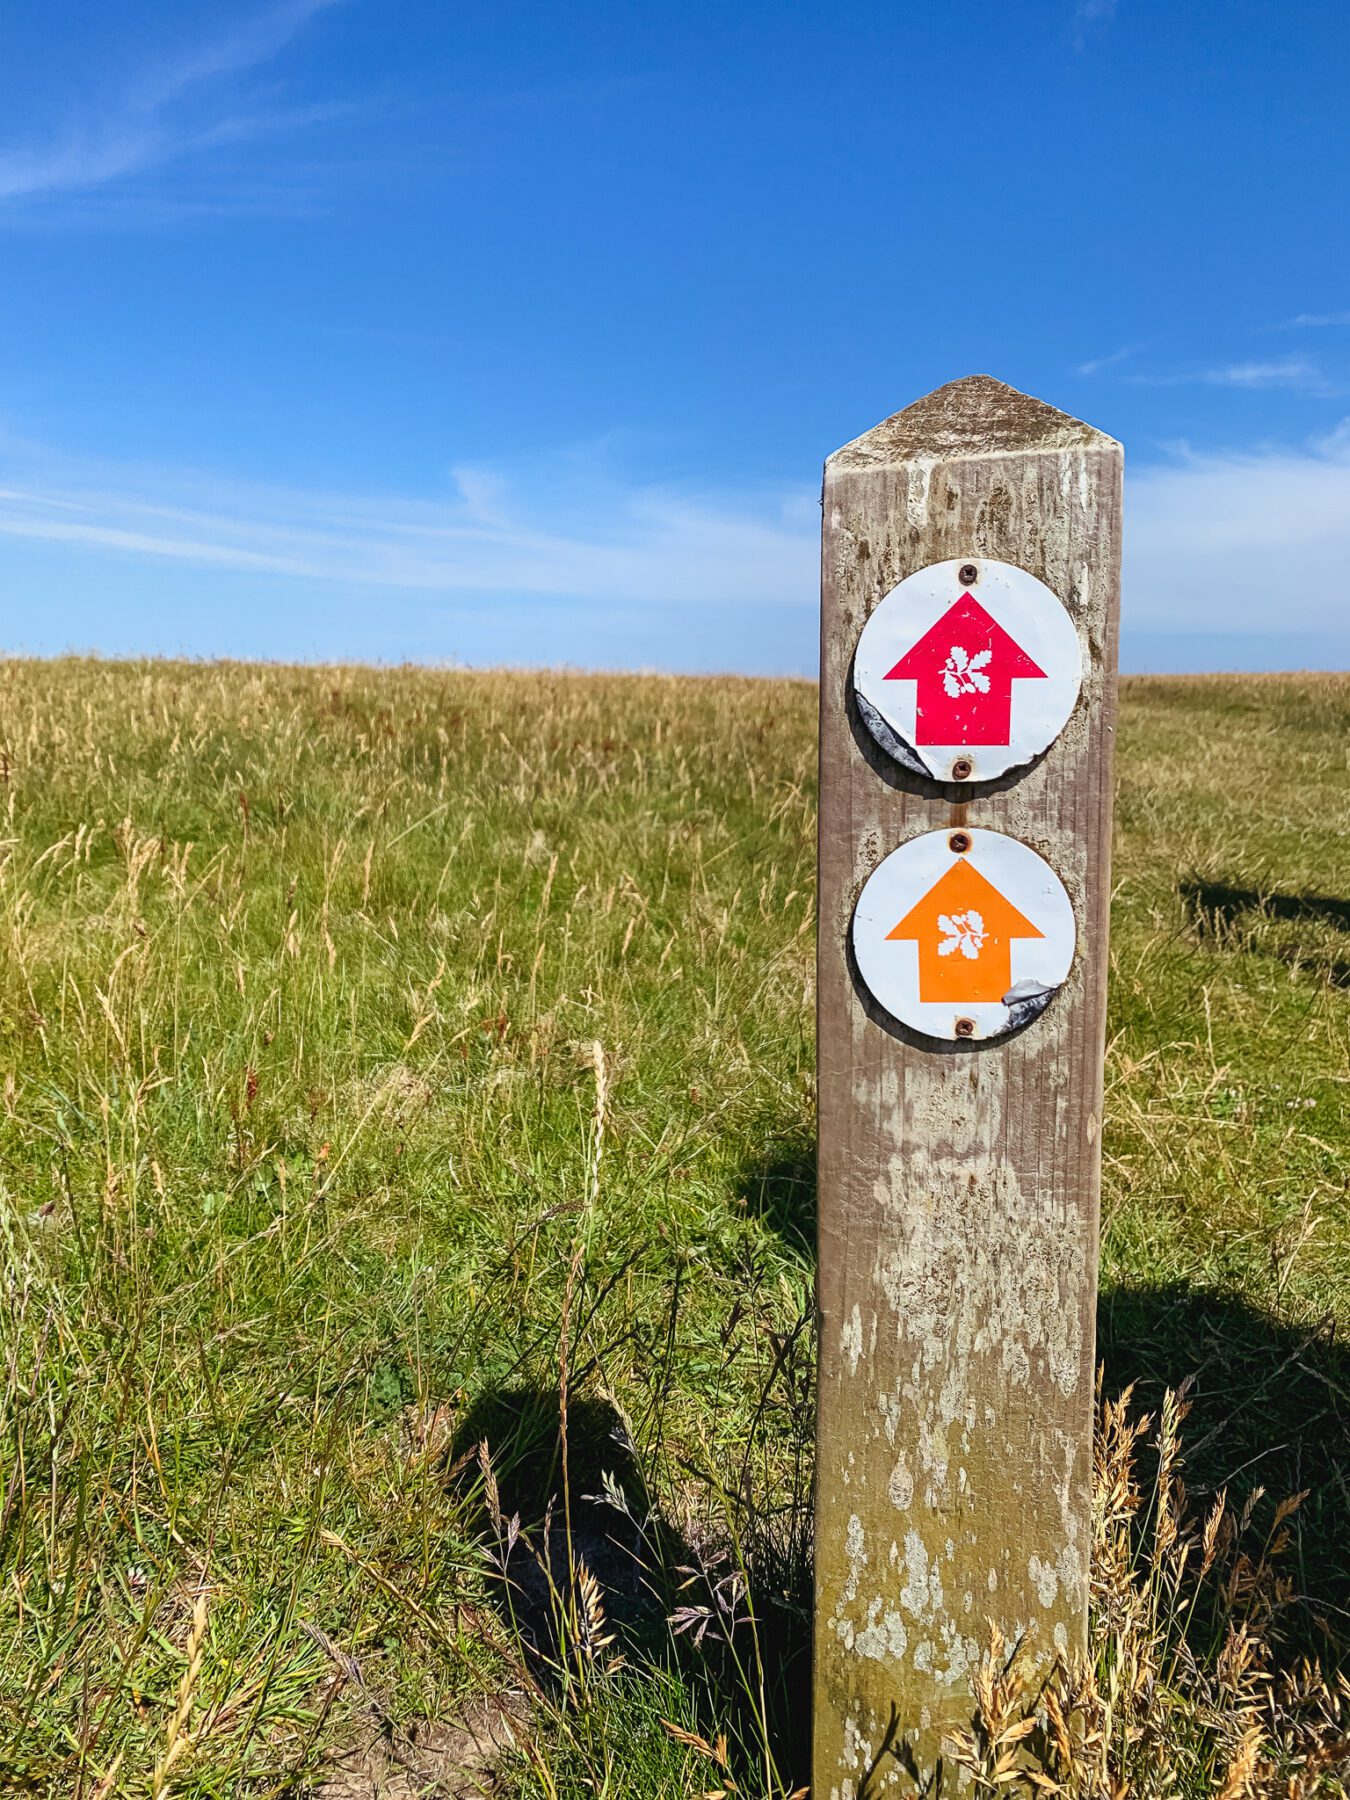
x=967 y=941
x=980 y=674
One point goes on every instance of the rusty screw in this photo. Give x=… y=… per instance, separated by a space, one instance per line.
x=962 y=769
x=959 y=841
x=969 y=572
x=965 y=1028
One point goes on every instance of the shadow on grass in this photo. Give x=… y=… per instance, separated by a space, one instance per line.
x=781 y=1191
x=690 y=1608
x=588 y=1507
x=1270 y=1408
x=1209 y=902
x=1217 y=910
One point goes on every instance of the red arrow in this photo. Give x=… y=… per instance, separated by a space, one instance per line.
x=965 y=666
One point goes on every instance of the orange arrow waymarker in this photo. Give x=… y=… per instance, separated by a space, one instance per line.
x=964 y=928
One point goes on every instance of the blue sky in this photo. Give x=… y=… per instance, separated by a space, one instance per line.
x=518 y=334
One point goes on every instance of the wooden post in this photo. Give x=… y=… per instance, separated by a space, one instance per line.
x=959 y=1183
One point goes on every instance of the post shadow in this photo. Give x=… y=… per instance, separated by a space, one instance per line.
x=615 y=1531
x=646 y=1568
x=1269 y=1409
x=1209 y=903
x=1216 y=911
x=780 y=1189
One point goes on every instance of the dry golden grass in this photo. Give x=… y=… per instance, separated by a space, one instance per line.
x=1185 y=1690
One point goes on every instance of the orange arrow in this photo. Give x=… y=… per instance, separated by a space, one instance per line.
x=964 y=929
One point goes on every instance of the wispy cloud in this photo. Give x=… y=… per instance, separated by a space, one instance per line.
x=1295 y=373
x=1095 y=364
x=1241 y=545
x=1288 y=372
x=569 y=558
x=1315 y=321
x=174 y=108
x=633 y=542
x=1089 y=17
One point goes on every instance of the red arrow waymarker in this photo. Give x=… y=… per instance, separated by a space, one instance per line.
x=965 y=666
x=966 y=669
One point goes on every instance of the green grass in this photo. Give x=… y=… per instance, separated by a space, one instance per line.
x=378 y=1046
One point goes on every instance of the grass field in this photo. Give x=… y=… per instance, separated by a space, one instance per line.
x=396 y=1061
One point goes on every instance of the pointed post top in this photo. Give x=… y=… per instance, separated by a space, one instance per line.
x=977 y=416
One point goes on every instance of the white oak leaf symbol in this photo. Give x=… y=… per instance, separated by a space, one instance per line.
x=964 y=674
x=963 y=931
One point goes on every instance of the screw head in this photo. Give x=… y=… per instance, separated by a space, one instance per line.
x=965 y=1028
x=962 y=769
x=968 y=573
x=959 y=841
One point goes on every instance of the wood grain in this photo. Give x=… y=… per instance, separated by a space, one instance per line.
x=958 y=1186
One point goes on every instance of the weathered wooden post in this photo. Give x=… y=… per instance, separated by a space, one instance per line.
x=965 y=811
